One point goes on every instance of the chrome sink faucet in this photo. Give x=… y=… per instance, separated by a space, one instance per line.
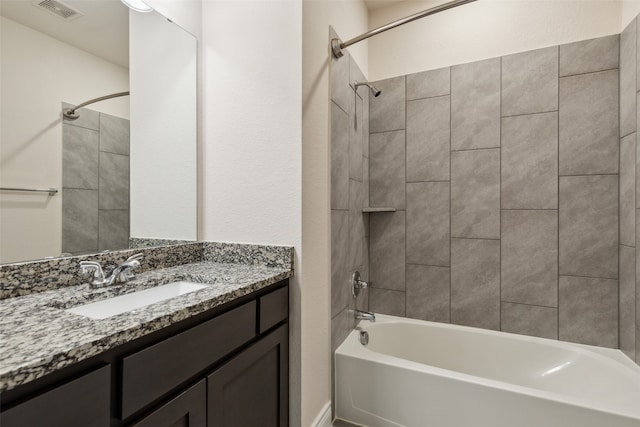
x=120 y=274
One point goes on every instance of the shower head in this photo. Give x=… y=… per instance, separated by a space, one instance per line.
x=371 y=87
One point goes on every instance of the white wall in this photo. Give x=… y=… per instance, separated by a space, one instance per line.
x=630 y=9
x=251 y=147
x=186 y=13
x=37 y=74
x=163 y=64
x=480 y=30
x=349 y=18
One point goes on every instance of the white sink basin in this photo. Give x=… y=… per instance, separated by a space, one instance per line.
x=123 y=303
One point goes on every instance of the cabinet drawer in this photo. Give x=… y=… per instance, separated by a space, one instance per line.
x=274 y=308
x=83 y=402
x=158 y=369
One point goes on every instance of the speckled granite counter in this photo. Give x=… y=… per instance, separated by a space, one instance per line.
x=38 y=337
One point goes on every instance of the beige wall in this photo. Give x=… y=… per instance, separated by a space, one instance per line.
x=349 y=18
x=484 y=29
x=38 y=73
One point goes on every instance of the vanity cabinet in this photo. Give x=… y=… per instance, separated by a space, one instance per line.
x=252 y=388
x=188 y=409
x=225 y=367
x=82 y=401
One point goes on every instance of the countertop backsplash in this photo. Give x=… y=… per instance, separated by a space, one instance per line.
x=25 y=278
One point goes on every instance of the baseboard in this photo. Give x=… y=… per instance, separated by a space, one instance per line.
x=324 y=417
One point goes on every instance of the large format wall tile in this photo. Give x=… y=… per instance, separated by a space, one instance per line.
x=79 y=220
x=387 y=250
x=385 y=301
x=114 y=181
x=475 y=194
x=530 y=162
x=530 y=320
x=627 y=302
x=588 y=311
x=356 y=137
x=428 y=84
x=475 y=283
x=341 y=92
x=387 y=111
x=339 y=261
x=428 y=223
x=588 y=221
x=113 y=229
x=356 y=224
x=475 y=105
x=628 y=190
x=387 y=169
x=589 y=124
x=428 y=293
x=530 y=82
x=339 y=158
x=428 y=137
x=588 y=56
x=628 y=79
x=356 y=75
x=114 y=134
x=79 y=157
x=530 y=257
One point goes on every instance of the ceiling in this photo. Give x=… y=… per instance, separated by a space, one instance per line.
x=103 y=30
x=377 y=4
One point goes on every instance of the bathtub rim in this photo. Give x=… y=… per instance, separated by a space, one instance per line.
x=352 y=348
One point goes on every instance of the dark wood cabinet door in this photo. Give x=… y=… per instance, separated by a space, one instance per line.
x=252 y=389
x=188 y=409
x=81 y=402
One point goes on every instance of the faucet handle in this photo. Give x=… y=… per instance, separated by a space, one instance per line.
x=96 y=268
x=357 y=284
x=137 y=257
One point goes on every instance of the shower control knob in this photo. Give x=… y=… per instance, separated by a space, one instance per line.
x=357 y=284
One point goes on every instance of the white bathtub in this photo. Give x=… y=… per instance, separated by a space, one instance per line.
x=416 y=373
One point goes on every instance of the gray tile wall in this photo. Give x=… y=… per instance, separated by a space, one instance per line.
x=505 y=177
x=629 y=295
x=350 y=152
x=95 y=195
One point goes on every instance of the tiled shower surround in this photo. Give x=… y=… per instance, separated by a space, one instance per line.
x=514 y=184
x=95 y=194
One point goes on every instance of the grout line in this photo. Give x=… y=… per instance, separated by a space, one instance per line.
x=500 y=206
x=529 y=209
x=586 y=73
x=475 y=149
x=473 y=238
x=529 y=114
x=591 y=174
x=558 y=211
x=428 y=265
x=387 y=131
x=428 y=97
x=587 y=277
x=531 y=305
x=422 y=182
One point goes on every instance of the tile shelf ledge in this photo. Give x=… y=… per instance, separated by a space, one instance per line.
x=371 y=210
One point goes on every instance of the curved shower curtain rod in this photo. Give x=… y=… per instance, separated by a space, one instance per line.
x=337 y=45
x=72 y=114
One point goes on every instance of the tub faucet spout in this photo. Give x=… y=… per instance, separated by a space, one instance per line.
x=365 y=315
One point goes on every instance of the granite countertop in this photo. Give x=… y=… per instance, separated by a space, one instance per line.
x=38 y=337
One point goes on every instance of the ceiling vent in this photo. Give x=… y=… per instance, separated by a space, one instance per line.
x=59 y=9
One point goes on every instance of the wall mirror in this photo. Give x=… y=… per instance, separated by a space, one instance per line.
x=124 y=172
